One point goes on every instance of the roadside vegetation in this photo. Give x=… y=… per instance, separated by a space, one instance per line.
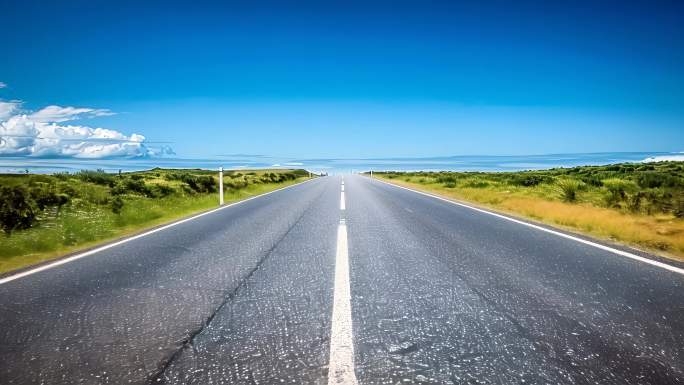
x=44 y=216
x=637 y=204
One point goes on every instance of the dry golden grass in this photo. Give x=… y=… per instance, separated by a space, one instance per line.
x=661 y=234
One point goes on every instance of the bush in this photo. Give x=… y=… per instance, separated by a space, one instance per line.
x=476 y=183
x=200 y=184
x=591 y=180
x=162 y=190
x=16 y=212
x=63 y=176
x=117 y=205
x=678 y=209
x=652 y=179
x=98 y=177
x=234 y=184
x=129 y=185
x=45 y=198
x=529 y=180
x=634 y=201
x=446 y=178
x=569 y=189
x=617 y=190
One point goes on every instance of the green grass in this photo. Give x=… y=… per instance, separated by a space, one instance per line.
x=638 y=204
x=149 y=198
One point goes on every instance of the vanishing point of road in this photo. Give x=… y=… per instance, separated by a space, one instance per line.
x=345 y=280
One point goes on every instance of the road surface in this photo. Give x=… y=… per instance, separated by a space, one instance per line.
x=370 y=285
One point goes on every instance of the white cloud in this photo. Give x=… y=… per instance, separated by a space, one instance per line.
x=39 y=134
x=54 y=114
x=3 y=85
x=8 y=109
x=664 y=158
x=17 y=136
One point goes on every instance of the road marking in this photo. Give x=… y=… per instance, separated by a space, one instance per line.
x=342 y=204
x=341 y=365
x=343 y=187
x=626 y=254
x=117 y=243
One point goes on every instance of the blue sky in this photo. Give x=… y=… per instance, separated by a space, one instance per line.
x=356 y=79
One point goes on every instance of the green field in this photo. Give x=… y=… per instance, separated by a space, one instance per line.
x=638 y=204
x=46 y=216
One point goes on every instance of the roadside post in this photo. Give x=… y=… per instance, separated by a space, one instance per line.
x=221 y=186
x=371 y=174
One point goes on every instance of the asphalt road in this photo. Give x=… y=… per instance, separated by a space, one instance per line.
x=255 y=294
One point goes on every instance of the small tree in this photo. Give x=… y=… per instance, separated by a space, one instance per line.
x=16 y=211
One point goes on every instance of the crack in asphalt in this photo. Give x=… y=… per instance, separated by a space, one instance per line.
x=158 y=377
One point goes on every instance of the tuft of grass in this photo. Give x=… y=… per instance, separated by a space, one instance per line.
x=569 y=189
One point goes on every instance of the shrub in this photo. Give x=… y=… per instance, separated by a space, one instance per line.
x=61 y=175
x=16 y=212
x=162 y=190
x=67 y=188
x=117 y=205
x=591 y=180
x=476 y=183
x=48 y=197
x=129 y=185
x=653 y=179
x=569 y=189
x=200 y=184
x=617 y=190
x=206 y=183
x=446 y=178
x=174 y=176
x=634 y=201
x=529 y=180
x=98 y=176
x=678 y=209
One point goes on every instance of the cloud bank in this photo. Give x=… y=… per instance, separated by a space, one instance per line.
x=43 y=134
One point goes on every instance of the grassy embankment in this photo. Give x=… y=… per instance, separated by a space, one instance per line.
x=45 y=216
x=637 y=204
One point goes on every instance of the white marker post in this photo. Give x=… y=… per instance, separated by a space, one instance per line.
x=221 y=186
x=371 y=174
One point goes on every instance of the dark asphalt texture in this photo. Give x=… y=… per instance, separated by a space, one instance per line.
x=440 y=294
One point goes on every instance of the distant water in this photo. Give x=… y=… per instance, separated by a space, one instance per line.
x=451 y=163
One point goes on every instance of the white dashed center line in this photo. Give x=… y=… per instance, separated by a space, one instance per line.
x=341 y=365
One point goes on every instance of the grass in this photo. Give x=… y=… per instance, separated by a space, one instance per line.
x=145 y=199
x=635 y=204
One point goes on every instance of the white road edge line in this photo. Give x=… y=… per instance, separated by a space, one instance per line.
x=342 y=203
x=117 y=243
x=341 y=363
x=626 y=254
